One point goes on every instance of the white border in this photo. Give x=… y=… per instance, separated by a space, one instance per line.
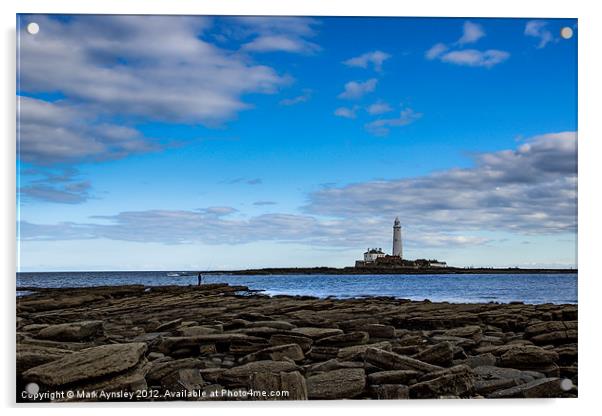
x=590 y=34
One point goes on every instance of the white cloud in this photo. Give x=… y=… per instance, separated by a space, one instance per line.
x=298 y=99
x=528 y=190
x=436 y=51
x=357 y=89
x=152 y=67
x=379 y=107
x=471 y=33
x=346 y=112
x=55 y=132
x=374 y=58
x=381 y=127
x=537 y=29
x=279 y=34
x=473 y=57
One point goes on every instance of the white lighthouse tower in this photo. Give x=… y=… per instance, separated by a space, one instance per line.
x=397 y=238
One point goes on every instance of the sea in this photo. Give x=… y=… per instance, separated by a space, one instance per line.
x=454 y=288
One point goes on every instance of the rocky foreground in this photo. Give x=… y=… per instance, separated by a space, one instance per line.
x=216 y=342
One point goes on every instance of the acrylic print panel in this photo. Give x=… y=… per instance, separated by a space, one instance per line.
x=291 y=208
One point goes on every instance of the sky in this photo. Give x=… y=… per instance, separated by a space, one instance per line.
x=204 y=142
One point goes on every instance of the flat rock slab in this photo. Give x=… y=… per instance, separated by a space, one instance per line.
x=272 y=385
x=393 y=377
x=87 y=364
x=317 y=333
x=391 y=361
x=242 y=373
x=541 y=388
x=72 y=331
x=338 y=384
x=277 y=353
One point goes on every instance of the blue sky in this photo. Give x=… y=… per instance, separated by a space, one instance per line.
x=205 y=142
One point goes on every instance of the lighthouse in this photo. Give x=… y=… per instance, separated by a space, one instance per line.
x=397 y=238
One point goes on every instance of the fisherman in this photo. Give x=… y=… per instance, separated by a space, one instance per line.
x=200 y=278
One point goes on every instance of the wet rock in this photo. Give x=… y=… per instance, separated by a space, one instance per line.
x=344 y=340
x=440 y=354
x=391 y=361
x=87 y=364
x=393 y=377
x=337 y=384
x=283 y=339
x=292 y=351
x=389 y=392
x=540 y=388
x=72 y=331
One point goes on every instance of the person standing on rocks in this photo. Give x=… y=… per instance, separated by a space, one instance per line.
x=200 y=279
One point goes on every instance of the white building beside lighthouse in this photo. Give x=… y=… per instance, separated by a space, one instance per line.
x=397 y=249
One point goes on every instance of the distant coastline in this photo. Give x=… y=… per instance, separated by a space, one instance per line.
x=388 y=270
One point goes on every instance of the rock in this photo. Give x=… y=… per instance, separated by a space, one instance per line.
x=393 y=377
x=473 y=332
x=316 y=333
x=168 y=325
x=440 y=354
x=391 y=361
x=540 y=388
x=187 y=378
x=479 y=360
x=389 y=392
x=379 y=330
x=272 y=324
x=356 y=352
x=87 y=364
x=168 y=344
x=283 y=339
x=191 y=331
x=337 y=384
x=292 y=383
x=160 y=369
x=343 y=340
x=485 y=387
x=72 y=331
x=496 y=373
x=241 y=375
x=330 y=365
x=277 y=353
x=457 y=381
x=30 y=355
x=527 y=357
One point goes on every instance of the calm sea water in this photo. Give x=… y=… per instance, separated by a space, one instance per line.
x=472 y=288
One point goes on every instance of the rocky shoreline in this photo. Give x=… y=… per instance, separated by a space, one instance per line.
x=220 y=342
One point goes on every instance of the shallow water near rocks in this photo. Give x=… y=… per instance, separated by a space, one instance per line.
x=469 y=288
